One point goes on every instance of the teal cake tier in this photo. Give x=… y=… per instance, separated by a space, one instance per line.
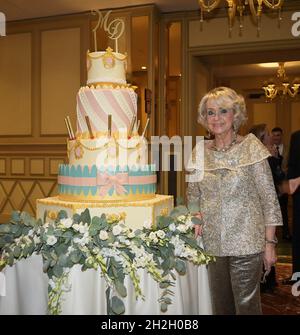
x=85 y=183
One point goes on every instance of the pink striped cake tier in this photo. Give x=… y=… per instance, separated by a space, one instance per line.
x=97 y=103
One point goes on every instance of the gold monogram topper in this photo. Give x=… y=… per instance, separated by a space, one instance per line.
x=115 y=28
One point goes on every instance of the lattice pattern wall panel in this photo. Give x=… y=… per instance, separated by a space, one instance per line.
x=22 y=194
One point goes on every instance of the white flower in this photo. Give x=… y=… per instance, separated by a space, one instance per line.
x=82 y=228
x=172 y=227
x=189 y=223
x=147 y=224
x=160 y=234
x=51 y=240
x=103 y=235
x=30 y=233
x=82 y=241
x=96 y=250
x=124 y=240
x=117 y=230
x=76 y=226
x=182 y=228
x=181 y=218
x=131 y=234
x=67 y=223
x=51 y=283
x=36 y=239
x=153 y=237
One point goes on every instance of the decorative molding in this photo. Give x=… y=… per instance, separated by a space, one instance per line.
x=22 y=194
x=2 y=166
x=37 y=166
x=17 y=166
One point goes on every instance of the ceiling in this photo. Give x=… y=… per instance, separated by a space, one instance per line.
x=27 y=9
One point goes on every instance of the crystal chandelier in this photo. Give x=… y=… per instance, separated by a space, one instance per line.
x=280 y=86
x=240 y=6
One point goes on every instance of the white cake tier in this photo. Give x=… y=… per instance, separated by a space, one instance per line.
x=137 y=212
x=97 y=103
x=106 y=67
x=108 y=151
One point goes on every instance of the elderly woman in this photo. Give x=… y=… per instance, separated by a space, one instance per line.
x=239 y=206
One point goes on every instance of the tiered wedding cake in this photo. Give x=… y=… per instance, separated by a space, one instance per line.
x=108 y=170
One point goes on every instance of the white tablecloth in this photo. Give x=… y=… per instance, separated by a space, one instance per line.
x=27 y=287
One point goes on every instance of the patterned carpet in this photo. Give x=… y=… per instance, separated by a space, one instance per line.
x=281 y=301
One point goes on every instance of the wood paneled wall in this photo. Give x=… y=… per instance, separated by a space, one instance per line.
x=42 y=66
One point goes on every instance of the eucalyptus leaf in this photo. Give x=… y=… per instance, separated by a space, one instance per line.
x=15 y=216
x=121 y=289
x=17 y=252
x=61 y=249
x=163 y=307
x=75 y=256
x=85 y=216
x=5 y=228
x=76 y=218
x=46 y=265
x=180 y=267
x=196 y=220
x=167 y=301
x=117 y=305
x=68 y=234
x=58 y=270
x=164 y=284
x=62 y=215
x=26 y=251
x=11 y=259
x=26 y=218
x=182 y=210
x=63 y=260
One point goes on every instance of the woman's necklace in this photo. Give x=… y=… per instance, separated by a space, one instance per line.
x=227 y=147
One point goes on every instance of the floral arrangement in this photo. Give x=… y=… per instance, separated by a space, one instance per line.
x=104 y=243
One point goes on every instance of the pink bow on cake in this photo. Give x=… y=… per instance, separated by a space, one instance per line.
x=106 y=182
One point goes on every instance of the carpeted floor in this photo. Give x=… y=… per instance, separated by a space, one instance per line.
x=282 y=301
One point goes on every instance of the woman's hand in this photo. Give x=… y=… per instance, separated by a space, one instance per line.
x=198 y=230
x=198 y=227
x=270 y=257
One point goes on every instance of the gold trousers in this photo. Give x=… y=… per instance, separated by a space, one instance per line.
x=235 y=284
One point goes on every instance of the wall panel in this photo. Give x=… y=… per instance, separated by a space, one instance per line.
x=60 y=78
x=15 y=85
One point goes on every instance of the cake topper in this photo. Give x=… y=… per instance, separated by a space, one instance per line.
x=114 y=28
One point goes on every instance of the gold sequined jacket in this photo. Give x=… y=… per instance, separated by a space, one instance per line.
x=237 y=198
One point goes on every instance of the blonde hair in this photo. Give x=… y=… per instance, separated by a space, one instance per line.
x=224 y=97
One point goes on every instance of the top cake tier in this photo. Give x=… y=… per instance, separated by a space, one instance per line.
x=106 y=67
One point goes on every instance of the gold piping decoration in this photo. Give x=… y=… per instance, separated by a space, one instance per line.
x=78 y=144
x=109 y=52
x=156 y=200
x=115 y=199
x=108 y=84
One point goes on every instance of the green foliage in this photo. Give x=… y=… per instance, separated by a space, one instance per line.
x=104 y=242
